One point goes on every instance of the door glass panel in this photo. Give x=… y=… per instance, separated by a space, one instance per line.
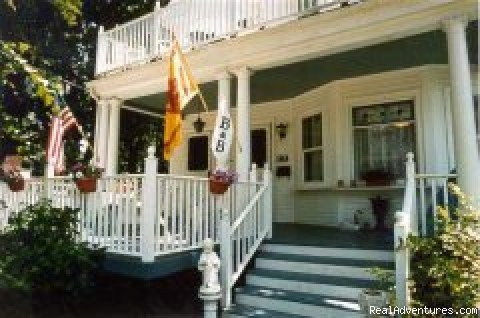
x=259 y=147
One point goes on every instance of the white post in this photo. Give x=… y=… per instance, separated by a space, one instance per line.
x=243 y=124
x=113 y=137
x=149 y=203
x=225 y=253
x=224 y=108
x=464 y=134
x=402 y=258
x=411 y=184
x=96 y=134
x=49 y=173
x=210 y=291
x=268 y=203
x=101 y=141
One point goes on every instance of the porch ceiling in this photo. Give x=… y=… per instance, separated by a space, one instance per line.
x=291 y=80
x=372 y=22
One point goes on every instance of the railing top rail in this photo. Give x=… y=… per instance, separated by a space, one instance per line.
x=205 y=179
x=247 y=209
x=129 y=23
x=434 y=175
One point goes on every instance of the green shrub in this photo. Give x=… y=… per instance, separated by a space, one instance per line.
x=445 y=268
x=39 y=252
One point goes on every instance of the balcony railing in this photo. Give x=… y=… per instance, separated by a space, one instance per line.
x=194 y=23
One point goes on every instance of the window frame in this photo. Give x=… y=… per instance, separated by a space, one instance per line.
x=373 y=103
x=209 y=155
x=314 y=183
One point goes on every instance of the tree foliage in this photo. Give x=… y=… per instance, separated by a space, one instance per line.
x=61 y=40
x=39 y=251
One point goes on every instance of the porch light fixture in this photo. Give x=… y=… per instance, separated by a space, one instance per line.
x=282 y=130
x=198 y=125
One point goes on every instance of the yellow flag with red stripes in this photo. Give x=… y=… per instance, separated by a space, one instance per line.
x=182 y=87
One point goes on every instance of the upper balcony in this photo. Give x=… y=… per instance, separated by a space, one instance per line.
x=196 y=23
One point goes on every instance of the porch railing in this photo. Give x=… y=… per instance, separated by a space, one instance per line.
x=149 y=215
x=194 y=23
x=424 y=194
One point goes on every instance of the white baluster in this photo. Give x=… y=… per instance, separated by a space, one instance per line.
x=149 y=204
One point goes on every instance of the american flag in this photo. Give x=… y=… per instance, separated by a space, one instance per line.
x=60 y=124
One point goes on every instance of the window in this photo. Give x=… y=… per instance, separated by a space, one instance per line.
x=259 y=147
x=383 y=135
x=198 y=153
x=312 y=148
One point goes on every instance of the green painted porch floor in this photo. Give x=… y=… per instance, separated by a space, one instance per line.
x=323 y=236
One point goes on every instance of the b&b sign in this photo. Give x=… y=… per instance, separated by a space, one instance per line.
x=222 y=137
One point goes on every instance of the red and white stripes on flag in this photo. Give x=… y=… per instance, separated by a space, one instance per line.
x=60 y=124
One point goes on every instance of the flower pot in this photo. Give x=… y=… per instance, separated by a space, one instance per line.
x=218 y=186
x=16 y=185
x=369 y=297
x=86 y=185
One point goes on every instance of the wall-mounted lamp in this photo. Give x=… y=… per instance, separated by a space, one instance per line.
x=198 y=125
x=282 y=130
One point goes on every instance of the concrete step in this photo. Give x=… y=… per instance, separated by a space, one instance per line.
x=303 y=304
x=334 y=286
x=333 y=252
x=352 y=268
x=243 y=311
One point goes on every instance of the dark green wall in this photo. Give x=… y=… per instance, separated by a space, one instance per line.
x=294 y=79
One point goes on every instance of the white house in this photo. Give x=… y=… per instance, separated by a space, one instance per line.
x=326 y=93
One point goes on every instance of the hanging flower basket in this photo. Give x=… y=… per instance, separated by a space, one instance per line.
x=218 y=186
x=86 y=185
x=16 y=184
x=85 y=177
x=219 y=181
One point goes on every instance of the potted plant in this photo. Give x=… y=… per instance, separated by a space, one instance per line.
x=380 y=210
x=377 y=177
x=219 y=181
x=85 y=177
x=14 y=179
x=381 y=293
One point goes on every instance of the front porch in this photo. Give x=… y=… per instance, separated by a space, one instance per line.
x=322 y=236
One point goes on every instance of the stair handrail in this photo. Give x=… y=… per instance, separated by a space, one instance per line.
x=237 y=250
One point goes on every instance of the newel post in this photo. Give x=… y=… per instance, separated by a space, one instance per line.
x=411 y=184
x=402 y=258
x=225 y=253
x=267 y=181
x=48 y=174
x=149 y=204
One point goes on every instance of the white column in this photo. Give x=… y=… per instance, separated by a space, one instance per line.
x=96 y=135
x=243 y=124
x=223 y=106
x=113 y=137
x=465 y=145
x=101 y=139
